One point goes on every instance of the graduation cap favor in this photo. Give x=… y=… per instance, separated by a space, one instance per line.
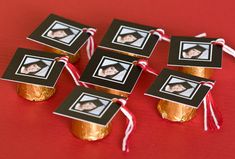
x=64 y=36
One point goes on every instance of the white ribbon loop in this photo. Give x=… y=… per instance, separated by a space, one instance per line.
x=225 y=47
x=90 y=48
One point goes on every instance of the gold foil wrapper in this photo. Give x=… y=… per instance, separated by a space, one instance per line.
x=197 y=71
x=89 y=131
x=180 y=112
x=111 y=91
x=175 y=112
x=72 y=58
x=34 y=92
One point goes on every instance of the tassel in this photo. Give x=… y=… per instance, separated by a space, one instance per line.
x=131 y=123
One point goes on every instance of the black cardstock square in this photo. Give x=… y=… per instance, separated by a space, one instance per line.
x=101 y=58
x=192 y=96
x=211 y=55
x=143 y=48
x=71 y=44
x=47 y=76
x=102 y=114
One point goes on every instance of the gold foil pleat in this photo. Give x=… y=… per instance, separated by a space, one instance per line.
x=180 y=112
x=175 y=112
x=34 y=92
x=197 y=71
x=111 y=91
x=89 y=131
x=72 y=58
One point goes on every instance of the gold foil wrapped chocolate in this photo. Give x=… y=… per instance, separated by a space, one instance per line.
x=197 y=71
x=34 y=92
x=111 y=91
x=180 y=112
x=72 y=58
x=175 y=111
x=89 y=131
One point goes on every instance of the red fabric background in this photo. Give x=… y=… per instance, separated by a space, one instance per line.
x=30 y=130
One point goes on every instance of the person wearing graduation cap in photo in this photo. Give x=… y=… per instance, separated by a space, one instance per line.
x=59 y=34
x=178 y=87
x=33 y=68
x=193 y=52
x=109 y=71
x=129 y=38
x=89 y=105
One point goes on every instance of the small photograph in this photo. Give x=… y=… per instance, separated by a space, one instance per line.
x=37 y=67
x=91 y=105
x=195 y=51
x=113 y=70
x=131 y=37
x=62 y=33
x=180 y=87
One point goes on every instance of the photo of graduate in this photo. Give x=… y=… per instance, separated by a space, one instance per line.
x=130 y=37
x=180 y=87
x=90 y=105
x=195 y=51
x=112 y=69
x=35 y=67
x=62 y=33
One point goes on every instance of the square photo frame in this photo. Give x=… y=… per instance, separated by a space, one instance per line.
x=34 y=67
x=127 y=37
x=60 y=33
x=179 y=87
x=112 y=70
x=192 y=51
x=89 y=105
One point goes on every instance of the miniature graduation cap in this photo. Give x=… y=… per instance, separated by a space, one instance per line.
x=40 y=64
x=197 y=47
x=96 y=102
x=66 y=30
x=117 y=66
x=135 y=34
x=186 y=85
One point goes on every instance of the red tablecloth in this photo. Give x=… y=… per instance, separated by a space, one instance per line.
x=30 y=130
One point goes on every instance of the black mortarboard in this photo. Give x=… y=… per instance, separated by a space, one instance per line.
x=135 y=34
x=97 y=102
x=197 y=47
x=117 y=66
x=40 y=63
x=186 y=85
x=66 y=30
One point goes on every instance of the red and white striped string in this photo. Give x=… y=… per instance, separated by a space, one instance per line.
x=162 y=36
x=72 y=70
x=212 y=116
x=90 y=47
x=145 y=66
x=225 y=47
x=130 y=124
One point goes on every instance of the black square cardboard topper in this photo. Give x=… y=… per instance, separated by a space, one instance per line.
x=192 y=51
x=60 y=33
x=179 y=87
x=89 y=105
x=112 y=70
x=130 y=38
x=34 y=67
